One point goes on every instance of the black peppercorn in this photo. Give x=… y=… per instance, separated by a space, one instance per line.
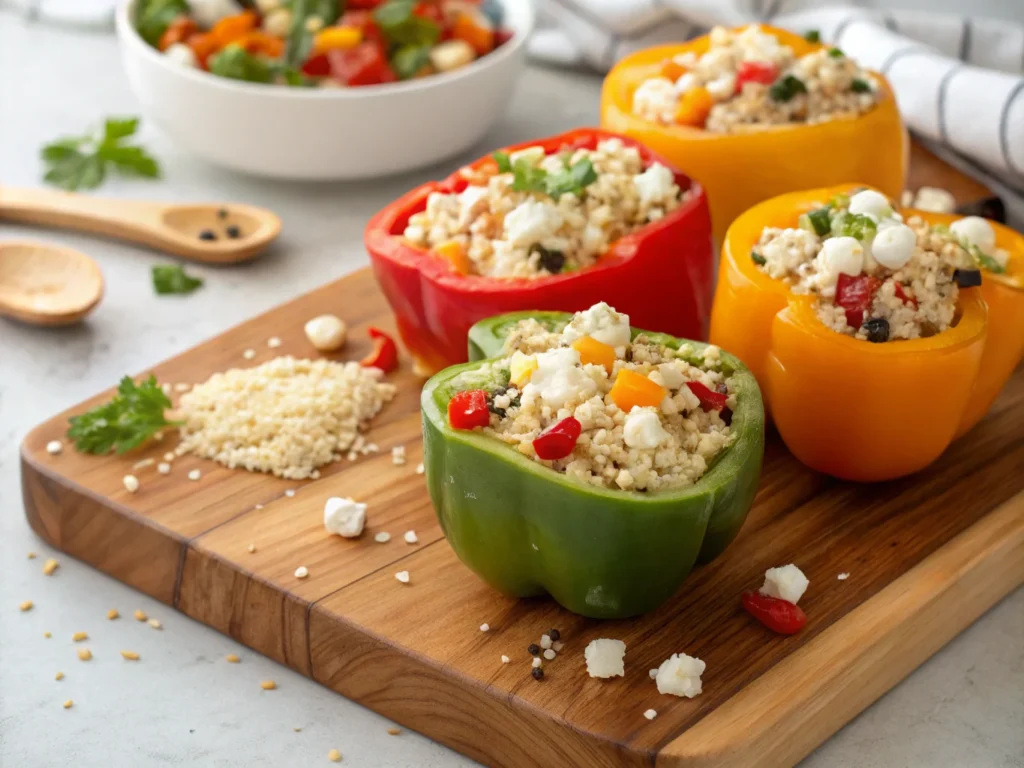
x=726 y=416
x=207 y=234
x=555 y=635
x=967 y=278
x=534 y=649
x=233 y=232
x=877 y=329
x=538 y=673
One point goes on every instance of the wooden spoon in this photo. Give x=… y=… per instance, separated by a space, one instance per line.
x=47 y=284
x=235 y=232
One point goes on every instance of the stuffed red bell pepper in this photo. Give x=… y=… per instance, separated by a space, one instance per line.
x=557 y=224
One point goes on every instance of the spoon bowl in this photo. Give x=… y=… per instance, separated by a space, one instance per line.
x=47 y=284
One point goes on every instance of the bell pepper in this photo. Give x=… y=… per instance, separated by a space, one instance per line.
x=528 y=530
x=1004 y=295
x=660 y=275
x=742 y=169
x=848 y=408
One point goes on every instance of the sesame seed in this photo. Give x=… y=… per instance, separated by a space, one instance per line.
x=394 y=731
x=420 y=469
x=131 y=483
x=251 y=548
x=69 y=704
x=143 y=463
x=536 y=662
x=50 y=566
x=232 y=658
x=549 y=654
x=268 y=685
x=249 y=354
x=843 y=576
x=54 y=447
x=163 y=468
x=84 y=654
x=155 y=624
x=545 y=641
x=26 y=606
x=31 y=555
x=140 y=616
x=402 y=576
x=538 y=673
x=505 y=659
x=169 y=456
x=129 y=655
x=194 y=474
x=650 y=714
x=301 y=572
x=382 y=538
x=59 y=676
x=411 y=537
x=273 y=342
x=290 y=492
x=334 y=756
x=485 y=627
x=79 y=637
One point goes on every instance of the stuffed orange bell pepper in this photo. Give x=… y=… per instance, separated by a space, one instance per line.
x=1002 y=287
x=865 y=333
x=768 y=112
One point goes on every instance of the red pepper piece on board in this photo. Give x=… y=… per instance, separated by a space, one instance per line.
x=558 y=440
x=365 y=64
x=385 y=352
x=709 y=399
x=778 y=615
x=755 y=72
x=854 y=294
x=468 y=409
x=902 y=296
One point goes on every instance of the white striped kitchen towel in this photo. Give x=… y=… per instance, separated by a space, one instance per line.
x=957 y=80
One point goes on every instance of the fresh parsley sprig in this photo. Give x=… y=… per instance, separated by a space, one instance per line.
x=170 y=278
x=532 y=178
x=127 y=421
x=82 y=162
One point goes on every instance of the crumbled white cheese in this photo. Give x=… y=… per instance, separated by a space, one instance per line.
x=532 y=221
x=54 y=447
x=411 y=537
x=868 y=202
x=976 y=231
x=131 y=483
x=398 y=455
x=679 y=675
x=485 y=627
x=601 y=323
x=163 y=468
x=558 y=378
x=655 y=99
x=786 y=583
x=650 y=714
x=182 y=55
x=194 y=474
x=655 y=186
x=290 y=493
x=249 y=354
x=643 y=429
x=550 y=654
x=536 y=661
x=671 y=376
x=344 y=517
x=843 y=576
x=301 y=572
x=420 y=469
x=402 y=576
x=382 y=538
x=605 y=658
x=505 y=659
x=545 y=641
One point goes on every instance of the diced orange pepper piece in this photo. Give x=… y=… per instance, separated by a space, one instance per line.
x=232 y=29
x=203 y=45
x=258 y=42
x=634 y=389
x=178 y=31
x=475 y=30
x=694 y=107
x=455 y=253
x=673 y=70
x=596 y=352
x=333 y=38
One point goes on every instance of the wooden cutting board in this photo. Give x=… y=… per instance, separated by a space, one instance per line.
x=925 y=555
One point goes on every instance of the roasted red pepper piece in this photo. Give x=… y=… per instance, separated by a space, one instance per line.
x=854 y=294
x=468 y=409
x=902 y=296
x=755 y=72
x=317 y=66
x=558 y=440
x=661 y=275
x=778 y=615
x=365 y=64
x=709 y=399
x=385 y=352
x=363 y=21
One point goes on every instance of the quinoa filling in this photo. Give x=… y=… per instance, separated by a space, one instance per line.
x=604 y=409
x=535 y=214
x=749 y=78
x=878 y=278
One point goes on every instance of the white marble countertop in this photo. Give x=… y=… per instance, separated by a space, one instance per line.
x=183 y=705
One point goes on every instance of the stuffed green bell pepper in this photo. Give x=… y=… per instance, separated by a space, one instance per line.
x=579 y=457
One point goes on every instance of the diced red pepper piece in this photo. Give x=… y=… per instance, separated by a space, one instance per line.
x=778 y=615
x=709 y=399
x=755 y=72
x=854 y=295
x=429 y=10
x=317 y=66
x=364 y=22
x=364 y=4
x=902 y=296
x=468 y=409
x=385 y=352
x=502 y=36
x=365 y=64
x=558 y=440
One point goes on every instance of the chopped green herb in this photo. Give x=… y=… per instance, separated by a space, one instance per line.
x=153 y=17
x=504 y=164
x=127 y=421
x=812 y=36
x=528 y=177
x=758 y=258
x=855 y=225
x=170 y=278
x=298 y=43
x=835 y=53
x=839 y=201
x=401 y=26
x=786 y=88
x=861 y=86
x=820 y=221
x=983 y=259
x=82 y=162
x=409 y=60
x=572 y=180
x=236 y=63
x=533 y=178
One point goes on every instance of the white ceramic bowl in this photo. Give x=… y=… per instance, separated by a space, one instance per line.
x=325 y=133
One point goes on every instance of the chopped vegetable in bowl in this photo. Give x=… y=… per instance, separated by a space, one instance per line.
x=322 y=43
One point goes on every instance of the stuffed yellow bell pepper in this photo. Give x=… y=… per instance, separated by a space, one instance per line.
x=768 y=112
x=863 y=328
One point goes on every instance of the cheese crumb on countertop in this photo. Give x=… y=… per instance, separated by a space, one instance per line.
x=650 y=714
x=605 y=658
x=54 y=447
x=402 y=576
x=843 y=576
x=411 y=537
x=382 y=538
x=786 y=583
x=344 y=517
x=679 y=675
x=301 y=572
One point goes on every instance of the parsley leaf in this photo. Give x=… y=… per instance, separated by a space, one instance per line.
x=529 y=177
x=81 y=162
x=836 y=53
x=234 y=62
x=504 y=164
x=127 y=421
x=152 y=17
x=572 y=180
x=409 y=60
x=532 y=178
x=812 y=36
x=860 y=86
x=786 y=88
x=400 y=25
x=170 y=278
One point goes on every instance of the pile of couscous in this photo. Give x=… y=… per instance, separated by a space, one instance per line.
x=601 y=408
x=536 y=214
x=749 y=78
x=879 y=278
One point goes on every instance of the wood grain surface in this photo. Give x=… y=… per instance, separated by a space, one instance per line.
x=926 y=555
